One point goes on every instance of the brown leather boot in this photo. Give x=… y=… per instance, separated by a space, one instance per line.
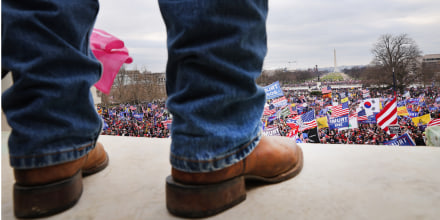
x=49 y=190
x=275 y=159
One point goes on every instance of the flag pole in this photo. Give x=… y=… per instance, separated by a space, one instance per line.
x=394 y=83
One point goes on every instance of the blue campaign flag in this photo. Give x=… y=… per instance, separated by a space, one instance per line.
x=413 y=114
x=413 y=101
x=404 y=140
x=338 y=122
x=433 y=108
x=371 y=119
x=138 y=116
x=273 y=90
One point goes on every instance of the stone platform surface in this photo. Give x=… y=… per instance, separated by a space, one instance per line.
x=337 y=182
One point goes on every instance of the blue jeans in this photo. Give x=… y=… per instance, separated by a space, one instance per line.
x=49 y=107
x=216 y=50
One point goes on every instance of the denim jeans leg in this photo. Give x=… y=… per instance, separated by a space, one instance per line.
x=49 y=107
x=216 y=50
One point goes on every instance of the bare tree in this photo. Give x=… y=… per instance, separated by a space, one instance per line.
x=118 y=88
x=400 y=53
x=355 y=72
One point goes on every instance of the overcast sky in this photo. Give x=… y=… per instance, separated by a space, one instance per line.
x=301 y=34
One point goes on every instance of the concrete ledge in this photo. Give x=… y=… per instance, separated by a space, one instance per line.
x=337 y=182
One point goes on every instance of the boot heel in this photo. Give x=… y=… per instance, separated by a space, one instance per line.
x=197 y=201
x=49 y=199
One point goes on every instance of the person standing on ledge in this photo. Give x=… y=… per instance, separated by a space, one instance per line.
x=216 y=50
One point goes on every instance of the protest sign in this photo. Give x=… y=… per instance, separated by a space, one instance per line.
x=339 y=122
x=273 y=90
x=404 y=140
x=271 y=131
x=394 y=129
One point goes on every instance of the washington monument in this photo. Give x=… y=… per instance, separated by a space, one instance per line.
x=335 y=70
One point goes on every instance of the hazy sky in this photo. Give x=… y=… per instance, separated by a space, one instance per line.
x=301 y=34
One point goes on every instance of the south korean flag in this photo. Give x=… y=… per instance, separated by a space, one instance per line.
x=370 y=106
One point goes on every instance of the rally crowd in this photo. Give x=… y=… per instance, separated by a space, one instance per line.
x=153 y=119
x=418 y=102
x=143 y=120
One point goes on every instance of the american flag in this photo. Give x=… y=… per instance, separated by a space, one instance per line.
x=340 y=110
x=167 y=124
x=327 y=89
x=365 y=93
x=353 y=114
x=307 y=121
x=269 y=112
x=293 y=122
x=388 y=115
x=158 y=114
x=434 y=122
x=362 y=116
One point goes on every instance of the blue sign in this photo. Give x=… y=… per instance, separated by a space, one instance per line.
x=138 y=116
x=404 y=140
x=413 y=101
x=273 y=90
x=339 y=122
x=371 y=120
x=413 y=114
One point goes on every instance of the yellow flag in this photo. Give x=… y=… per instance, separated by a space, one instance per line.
x=322 y=122
x=424 y=119
x=402 y=111
x=344 y=100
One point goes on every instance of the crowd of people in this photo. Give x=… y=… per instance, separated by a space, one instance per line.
x=314 y=83
x=418 y=101
x=153 y=119
x=143 y=120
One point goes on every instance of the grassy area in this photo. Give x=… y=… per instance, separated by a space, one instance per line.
x=332 y=77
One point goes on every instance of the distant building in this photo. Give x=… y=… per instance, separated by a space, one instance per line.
x=431 y=58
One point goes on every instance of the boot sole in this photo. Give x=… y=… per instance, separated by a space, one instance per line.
x=49 y=199
x=198 y=201
x=97 y=168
